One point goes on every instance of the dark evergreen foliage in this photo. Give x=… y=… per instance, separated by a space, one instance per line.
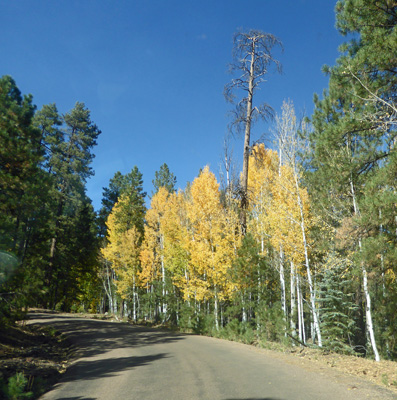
x=164 y=178
x=46 y=220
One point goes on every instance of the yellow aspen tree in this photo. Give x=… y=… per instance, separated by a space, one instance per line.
x=176 y=242
x=123 y=252
x=148 y=274
x=290 y=145
x=165 y=248
x=211 y=242
x=263 y=170
x=152 y=256
x=263 y=184
x=276 y=214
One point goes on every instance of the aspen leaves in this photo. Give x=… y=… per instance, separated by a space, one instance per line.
x=191 y=238
x=123 y=249
x=275 y=212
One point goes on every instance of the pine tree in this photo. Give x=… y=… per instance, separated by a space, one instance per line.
x=337 y=306
x=20 y=158
x=164 y=178
x=68 y=162
x=353 y=139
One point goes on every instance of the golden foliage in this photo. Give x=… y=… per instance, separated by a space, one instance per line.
x=122 y=250
x=274 y=203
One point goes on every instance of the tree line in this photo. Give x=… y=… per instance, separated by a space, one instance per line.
x=300 y=249
x=47 y=222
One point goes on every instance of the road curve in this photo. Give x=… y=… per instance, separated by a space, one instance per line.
x=122 y=361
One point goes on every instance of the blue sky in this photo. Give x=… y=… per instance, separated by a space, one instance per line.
x=152 y=72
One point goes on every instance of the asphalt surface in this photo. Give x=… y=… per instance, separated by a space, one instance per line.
x=121 y=361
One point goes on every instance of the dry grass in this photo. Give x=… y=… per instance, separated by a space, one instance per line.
x=383 y=373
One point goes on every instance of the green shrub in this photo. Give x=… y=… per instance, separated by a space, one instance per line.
x=15 y=390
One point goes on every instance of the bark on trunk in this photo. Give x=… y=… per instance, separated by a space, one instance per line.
x=246 y=153
x=301 y=321
x=368 y=313
x=293 y=300
x=316 y=321
x=282 y=284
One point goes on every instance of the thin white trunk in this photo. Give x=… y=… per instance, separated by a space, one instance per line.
x=299 y=311
x=108 y=288
x=368 y=313
x=216 y=311
x=301 y=321
x=148 y=316
x=250 y=306
x=316 y=322
x=382 y=260
x=282 y=278
x=258 y=324
x=164 y=305
x=282 y=283
x=133 y=300
x=244 y=310
x=293 y=300
x=115 y=309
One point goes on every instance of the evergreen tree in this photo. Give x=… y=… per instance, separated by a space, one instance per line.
x=130 y=184
x=134 y=209
x=20 y=176
x=68 y=159
x=352 y=158
x=110 y=196
x=164 y=178
x=337 y=306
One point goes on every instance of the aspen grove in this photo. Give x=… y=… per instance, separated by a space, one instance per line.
x=299 y=248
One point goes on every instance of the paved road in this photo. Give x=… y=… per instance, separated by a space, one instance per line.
x=121 y=361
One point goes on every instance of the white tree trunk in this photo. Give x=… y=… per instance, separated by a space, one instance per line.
x=368 y=313
x=216 y=311
x=164 y=305
x=301 y=322
x=244 y=311
x=258 y=323
x=115 y=309
x=108 y=288
x=282 y=284
x=316 y=322
x=133 y=301
x=293 y=300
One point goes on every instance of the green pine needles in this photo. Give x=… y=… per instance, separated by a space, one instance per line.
x=337 y=306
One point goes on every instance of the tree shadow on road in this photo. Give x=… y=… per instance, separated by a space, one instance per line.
x=94 y=337
x=108 y=367
x=77 y=398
